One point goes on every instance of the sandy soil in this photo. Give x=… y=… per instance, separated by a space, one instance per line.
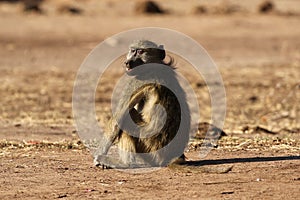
x=259 y=60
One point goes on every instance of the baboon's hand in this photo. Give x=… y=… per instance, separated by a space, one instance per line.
x=107 y=162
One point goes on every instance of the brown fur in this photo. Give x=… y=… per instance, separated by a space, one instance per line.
x=154 y=134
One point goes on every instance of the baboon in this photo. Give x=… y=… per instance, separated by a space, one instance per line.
x=160 y=115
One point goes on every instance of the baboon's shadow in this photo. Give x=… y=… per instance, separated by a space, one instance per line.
x=241 y=160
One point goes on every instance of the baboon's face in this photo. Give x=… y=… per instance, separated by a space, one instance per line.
x=135 y=57
x=142 y=52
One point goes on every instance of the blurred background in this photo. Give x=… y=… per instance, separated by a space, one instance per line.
x=256 y=45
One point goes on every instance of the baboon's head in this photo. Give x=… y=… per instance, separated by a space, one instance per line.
x=142 y=52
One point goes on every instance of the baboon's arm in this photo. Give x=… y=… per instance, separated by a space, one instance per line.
x=137 y=116
x=123 y=117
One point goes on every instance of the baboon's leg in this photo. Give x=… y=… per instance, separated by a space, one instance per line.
x=127 y=144
x=127 y=148
x=109 y=161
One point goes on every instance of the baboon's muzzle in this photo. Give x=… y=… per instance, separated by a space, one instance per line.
x=130 y=64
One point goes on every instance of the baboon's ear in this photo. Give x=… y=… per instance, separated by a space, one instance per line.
x=161 y=52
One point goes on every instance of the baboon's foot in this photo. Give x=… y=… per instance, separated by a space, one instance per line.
x=178 y=161
x=107 y=162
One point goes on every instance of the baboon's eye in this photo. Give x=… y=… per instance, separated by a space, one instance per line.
x=140 y=51
x=132 y=50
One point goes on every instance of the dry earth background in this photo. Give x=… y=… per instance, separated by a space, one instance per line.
x=258 y=55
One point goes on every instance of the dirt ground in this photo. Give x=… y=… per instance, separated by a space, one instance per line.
x=258 y=55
